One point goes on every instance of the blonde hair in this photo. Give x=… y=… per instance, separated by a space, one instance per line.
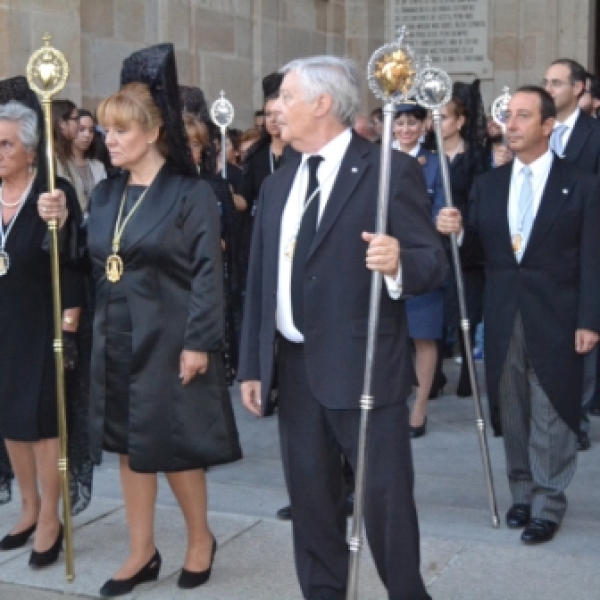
x=133 y=102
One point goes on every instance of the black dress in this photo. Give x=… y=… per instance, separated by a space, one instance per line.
x=118 y=355
x=464 y=168
x=27 y=367
x=232 y=291
x=169 y=299
x=259 y=164
x=27 y=364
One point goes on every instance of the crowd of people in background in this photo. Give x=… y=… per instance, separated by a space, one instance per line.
x=92 y=155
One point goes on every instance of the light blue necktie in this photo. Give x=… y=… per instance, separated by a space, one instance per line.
x=556 y=143
x=525 y=212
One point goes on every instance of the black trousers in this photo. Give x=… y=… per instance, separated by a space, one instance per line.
x=312 y=440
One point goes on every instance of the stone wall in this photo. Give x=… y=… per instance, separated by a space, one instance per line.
x=23 y=24
x=223 y=44
x=527 y=35
x=232 y=44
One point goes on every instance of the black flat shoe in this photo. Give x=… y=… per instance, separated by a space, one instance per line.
x=119 y=587
x=39 y=560
x=285 y=513
x=539 y=531
x=12 y=541
x=417 y=432
x=518 y=516
x=190 y=579
x=583 y=441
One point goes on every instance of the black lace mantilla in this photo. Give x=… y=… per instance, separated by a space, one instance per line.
x=271 y=84
x=192 y=101
x=17 y=88
x=470 y=95
x=156 y=67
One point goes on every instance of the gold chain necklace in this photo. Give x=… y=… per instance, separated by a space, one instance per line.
x=114 y=263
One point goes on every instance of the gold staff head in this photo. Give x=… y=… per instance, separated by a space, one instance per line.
x=47 y=70
x=392 y=70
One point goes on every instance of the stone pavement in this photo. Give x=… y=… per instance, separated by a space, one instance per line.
x=463 y=558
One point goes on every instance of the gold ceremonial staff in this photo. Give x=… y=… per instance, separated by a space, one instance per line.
x=47 y=73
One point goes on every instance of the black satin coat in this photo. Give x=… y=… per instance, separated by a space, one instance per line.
x=173 y=281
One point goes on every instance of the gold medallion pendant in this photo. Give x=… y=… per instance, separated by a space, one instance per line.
x=516 y=243
x=4 y=262
x=114 y=268
x=290 y=248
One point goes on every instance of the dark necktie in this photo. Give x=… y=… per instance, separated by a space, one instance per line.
x=306 y=235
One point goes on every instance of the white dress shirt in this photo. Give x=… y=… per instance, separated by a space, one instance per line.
x=540 y=168
x=332 y=154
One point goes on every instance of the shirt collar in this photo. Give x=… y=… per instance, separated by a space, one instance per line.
x=415 y=151
x=335 y=148
x=570 y=120
x=538 y=166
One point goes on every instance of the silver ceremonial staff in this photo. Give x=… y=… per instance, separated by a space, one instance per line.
x=499 y=108
x=434 y=89
x=47 y=74
x=391 y=76
x=221 y=113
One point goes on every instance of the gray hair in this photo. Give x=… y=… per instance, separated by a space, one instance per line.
x=16 y=112
x=337 y=77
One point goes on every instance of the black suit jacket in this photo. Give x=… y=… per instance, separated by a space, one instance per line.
x=583 y=147
x=556 y=286
x=337 y=282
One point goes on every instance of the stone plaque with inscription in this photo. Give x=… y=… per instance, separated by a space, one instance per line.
x=454 y=33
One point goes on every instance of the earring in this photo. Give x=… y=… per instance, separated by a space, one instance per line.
x=30 y=169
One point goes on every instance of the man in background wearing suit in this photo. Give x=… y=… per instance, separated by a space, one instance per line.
x=576 y=138
x=535 y=225
x=308 y=285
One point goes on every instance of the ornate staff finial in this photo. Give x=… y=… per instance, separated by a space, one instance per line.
x=222 y=112
x=500 y=106
x=47 y=70
x=392 y=70
x=434 y=88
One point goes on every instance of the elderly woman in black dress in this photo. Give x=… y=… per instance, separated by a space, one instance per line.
x=28 y=415
x=158 y=397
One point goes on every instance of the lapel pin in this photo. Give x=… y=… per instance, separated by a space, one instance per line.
x=355 y=169
x=565 y=191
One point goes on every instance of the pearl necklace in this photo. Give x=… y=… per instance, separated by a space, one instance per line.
x=21 y=199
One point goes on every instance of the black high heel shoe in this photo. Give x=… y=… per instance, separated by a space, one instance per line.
x=119 y=587
x=38 y=560
x=189 y=579
x=417 y=432
x=12 y=541
x=437 y=387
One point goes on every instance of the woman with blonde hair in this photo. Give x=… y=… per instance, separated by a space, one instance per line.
x=158 y=396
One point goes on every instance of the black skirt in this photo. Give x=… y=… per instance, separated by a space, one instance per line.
x=118 y=372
